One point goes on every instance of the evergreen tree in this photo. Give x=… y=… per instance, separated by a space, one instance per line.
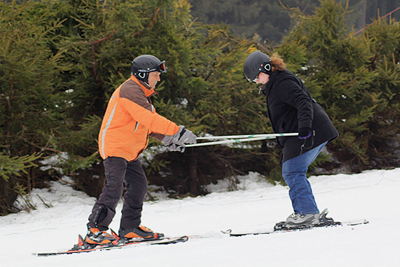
x=28 y=111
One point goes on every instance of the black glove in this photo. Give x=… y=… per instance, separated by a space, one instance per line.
x=304 y=132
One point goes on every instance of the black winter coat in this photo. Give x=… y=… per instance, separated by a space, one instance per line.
x=291 y=107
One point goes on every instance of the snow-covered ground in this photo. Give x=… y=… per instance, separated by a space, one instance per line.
x=372 y=195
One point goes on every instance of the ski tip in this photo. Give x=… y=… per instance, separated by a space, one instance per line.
x=226 y=232
x=182 y=239
x=358 y=223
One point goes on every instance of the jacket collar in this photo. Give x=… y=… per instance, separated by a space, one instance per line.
x=148 y=91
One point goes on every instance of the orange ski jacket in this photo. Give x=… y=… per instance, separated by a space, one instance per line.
x=129 y=120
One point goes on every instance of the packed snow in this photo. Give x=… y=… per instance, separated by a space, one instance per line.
x=62 y=213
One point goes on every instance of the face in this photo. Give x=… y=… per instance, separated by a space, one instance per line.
x=154 y=78
x=262 y=78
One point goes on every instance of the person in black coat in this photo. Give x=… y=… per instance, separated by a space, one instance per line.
x=292 y=109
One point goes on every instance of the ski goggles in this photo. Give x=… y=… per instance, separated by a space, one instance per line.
x=160 y=68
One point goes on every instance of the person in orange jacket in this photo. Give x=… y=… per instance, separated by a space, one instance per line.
x=129 y=120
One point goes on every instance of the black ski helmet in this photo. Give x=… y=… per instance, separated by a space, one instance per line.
x=144 y=64
x=255 y=63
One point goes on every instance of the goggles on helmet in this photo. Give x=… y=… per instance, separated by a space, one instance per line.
x=160 y=68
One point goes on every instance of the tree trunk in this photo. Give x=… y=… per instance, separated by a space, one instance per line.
x=193 y=181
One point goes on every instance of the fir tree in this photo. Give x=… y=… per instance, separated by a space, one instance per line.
x=28 y=111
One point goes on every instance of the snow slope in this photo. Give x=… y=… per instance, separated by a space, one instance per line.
x=372 y=195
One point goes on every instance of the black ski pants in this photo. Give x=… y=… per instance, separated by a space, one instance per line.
x=118 y=172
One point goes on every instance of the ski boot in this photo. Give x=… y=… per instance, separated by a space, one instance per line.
x=298 y=222
x=139 y=233
x=96 y=237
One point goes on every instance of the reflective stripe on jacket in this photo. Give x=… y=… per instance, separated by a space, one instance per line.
x=129 y=120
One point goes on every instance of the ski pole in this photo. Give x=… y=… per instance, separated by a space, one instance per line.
x=246 y=136
x=263 y=137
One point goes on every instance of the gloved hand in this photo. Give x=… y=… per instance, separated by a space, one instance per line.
x=304 y=132
x=182 y=137
x=174 y=147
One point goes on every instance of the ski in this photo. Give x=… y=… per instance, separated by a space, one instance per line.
x=230 y=232
x=83 y=247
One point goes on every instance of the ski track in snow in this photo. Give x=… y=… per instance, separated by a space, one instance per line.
x=257 y=206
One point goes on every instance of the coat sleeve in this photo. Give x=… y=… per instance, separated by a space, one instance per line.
x=151 y=120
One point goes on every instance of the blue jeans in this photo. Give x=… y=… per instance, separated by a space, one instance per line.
x=294 y=172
